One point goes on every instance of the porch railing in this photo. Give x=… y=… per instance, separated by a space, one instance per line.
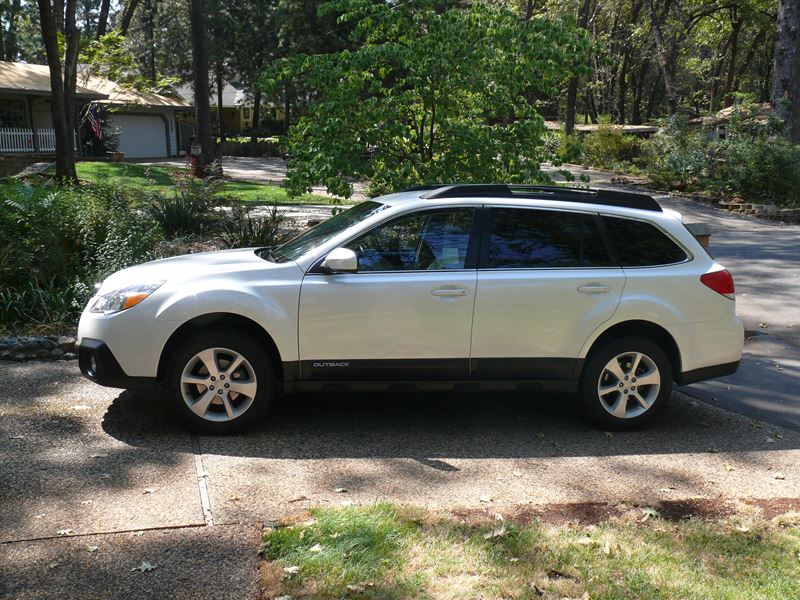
x=20 y=139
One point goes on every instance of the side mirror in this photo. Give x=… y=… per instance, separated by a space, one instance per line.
x=341 y=260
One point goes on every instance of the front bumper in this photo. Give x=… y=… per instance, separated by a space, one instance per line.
x=99 y=364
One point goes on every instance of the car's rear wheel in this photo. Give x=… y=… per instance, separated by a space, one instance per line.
x=626 y=383
x=219 y=382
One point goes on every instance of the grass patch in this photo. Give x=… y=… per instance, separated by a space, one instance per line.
x=385 y=551
x=158 y=178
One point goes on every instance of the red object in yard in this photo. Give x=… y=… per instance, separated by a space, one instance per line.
x=720 y=281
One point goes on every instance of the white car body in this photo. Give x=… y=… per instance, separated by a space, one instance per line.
x=480 y=325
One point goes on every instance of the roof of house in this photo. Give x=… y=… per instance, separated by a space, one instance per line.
x=590 y=127
x=24 y=78
x=232 y=95
x=762 y=113
x=119 y=95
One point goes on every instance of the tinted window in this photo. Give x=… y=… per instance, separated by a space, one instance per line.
x=530 y=239
x=641 y=244
x=418 y=242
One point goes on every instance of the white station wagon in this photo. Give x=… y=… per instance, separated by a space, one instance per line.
x=506 y=287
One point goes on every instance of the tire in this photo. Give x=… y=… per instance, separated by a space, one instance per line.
x=632 y=404
x=196 y=399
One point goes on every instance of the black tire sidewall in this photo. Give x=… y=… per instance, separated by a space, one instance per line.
x=594 y=366
x=240 y=342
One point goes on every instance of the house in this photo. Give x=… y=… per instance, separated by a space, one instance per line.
x=237 y=108
x=145 y=125
x=717 y=123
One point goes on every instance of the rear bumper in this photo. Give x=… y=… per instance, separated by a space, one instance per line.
x=99 y=364
x=707 y=373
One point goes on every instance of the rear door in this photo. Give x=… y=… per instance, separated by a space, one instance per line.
x=546 y=281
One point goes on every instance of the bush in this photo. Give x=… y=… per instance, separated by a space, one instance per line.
x=242 y=230
x=607 y=147
x=755 y=161
x=56 y=242
x=571 y=149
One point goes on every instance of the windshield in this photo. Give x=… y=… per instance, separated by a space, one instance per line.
x=316 y=236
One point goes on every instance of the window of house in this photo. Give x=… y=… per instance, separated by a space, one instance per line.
x=534 y=239
x=12 y=113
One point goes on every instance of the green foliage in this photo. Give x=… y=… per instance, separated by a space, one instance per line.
x=426 y=95
x=607 y=147
x=570 y=149
x=240 y=229
x=56 y=242
x=755 y=161
x=187 y=210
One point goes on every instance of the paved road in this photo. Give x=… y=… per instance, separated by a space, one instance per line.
x=87 y=466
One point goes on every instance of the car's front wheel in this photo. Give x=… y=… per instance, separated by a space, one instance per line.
x=219 y=382
x=626 y=383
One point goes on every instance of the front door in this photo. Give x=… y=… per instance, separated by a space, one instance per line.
x=545 y=283
x=406 y=314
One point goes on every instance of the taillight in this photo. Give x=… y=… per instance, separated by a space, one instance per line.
x=721 y=282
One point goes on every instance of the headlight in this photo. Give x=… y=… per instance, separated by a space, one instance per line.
x=123 y=299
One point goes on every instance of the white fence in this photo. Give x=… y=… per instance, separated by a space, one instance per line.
x=18 y=139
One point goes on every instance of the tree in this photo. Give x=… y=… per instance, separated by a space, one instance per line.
x=786 y=69
x=427 y=96
x=201 y=90
x=572 y=87
x=62 y=83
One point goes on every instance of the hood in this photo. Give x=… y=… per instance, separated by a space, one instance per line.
x=188 y=266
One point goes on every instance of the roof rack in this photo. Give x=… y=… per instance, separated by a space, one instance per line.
x=550 y=192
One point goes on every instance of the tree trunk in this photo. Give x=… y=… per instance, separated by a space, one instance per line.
x=639 y=81
x=786 y=67
x=102 y=19
x=220 y=107
x=127 y=15
x=661 y=57
x=572 y=86
x=736 y=26
x=256 y=115
x=72 y=36
x=622 y=77
x=149 y=34
x=201 y=95
x=65 y=160
x=286 y=106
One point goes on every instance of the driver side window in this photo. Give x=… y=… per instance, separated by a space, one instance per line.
x=429 y=240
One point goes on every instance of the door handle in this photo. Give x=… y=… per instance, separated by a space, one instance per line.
x=594 y=289
x=449 y=292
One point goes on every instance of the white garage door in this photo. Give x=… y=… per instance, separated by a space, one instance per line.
x=140 y=136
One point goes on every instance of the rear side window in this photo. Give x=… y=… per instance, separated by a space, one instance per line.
x=641 y=244
x=535 y=239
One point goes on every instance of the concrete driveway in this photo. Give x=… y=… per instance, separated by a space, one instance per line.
x=95 y=481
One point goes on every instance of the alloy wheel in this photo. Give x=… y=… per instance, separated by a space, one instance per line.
x=629 y=385
x=218 y=384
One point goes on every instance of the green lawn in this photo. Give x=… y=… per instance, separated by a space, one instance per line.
x=160 y=179
x=390 y=552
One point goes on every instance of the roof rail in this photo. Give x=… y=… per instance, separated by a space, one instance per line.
x=563 y=194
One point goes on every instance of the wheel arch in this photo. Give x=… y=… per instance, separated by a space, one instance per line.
x=218 y=319
x=646 y=329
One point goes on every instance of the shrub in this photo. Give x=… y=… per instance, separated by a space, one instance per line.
x=55 y=242
x=755 y=161
x=242 y=230
x=570 y=149
x=607 y=147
